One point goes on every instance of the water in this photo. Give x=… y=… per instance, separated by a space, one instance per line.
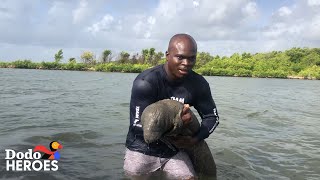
x=268 y=129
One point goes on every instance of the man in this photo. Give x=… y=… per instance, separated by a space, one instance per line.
x=173 y=80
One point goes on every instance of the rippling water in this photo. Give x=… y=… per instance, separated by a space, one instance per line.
x=269 y=127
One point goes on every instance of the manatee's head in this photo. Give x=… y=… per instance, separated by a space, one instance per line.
x=154 y=122
x=159 y=119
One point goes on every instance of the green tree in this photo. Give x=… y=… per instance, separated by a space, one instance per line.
x=124 y=57
x=152 y=52
x=202 y=59
x=106 y=56
x=313 y=58
x=246 y=55
x=157 y=58
x=145 y=55
x=58 y=56
x=296 y=54
x=134 y=58
x=72 y=60
x=87 y=57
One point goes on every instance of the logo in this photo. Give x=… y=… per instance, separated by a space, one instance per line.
x=53 y=153
x=177 y=99
x=136 y=120
x=33 y=160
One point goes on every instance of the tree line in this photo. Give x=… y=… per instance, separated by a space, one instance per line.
x=292 y=63
x=147 y=56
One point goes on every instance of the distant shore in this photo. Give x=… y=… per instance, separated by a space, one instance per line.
x=295 y=63
x=116 y=67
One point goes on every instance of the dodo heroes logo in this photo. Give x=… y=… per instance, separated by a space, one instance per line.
x=38 y=159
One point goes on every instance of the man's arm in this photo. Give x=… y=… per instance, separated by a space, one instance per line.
x=209 y=115
x=208 y=112
x=142 y=95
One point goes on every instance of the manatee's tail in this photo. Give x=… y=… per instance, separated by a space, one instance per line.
x=202 y=160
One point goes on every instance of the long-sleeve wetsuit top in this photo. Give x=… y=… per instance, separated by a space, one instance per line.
x=153 y=85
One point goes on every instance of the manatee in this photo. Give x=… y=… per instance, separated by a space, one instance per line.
x=162 y=120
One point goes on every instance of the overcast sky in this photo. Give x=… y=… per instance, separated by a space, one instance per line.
x=37 y=29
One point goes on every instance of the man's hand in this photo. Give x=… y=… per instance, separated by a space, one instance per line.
x=186 y=114
x=183 y=141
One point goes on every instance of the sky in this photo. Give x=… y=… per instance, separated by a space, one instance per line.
x=37 y=29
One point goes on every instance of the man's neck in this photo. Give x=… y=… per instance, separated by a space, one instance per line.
x=170 y=77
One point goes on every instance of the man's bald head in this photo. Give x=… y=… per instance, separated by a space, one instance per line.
x=186 y=39
x=181 y=56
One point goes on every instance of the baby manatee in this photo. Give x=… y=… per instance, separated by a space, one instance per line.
x=162 y=120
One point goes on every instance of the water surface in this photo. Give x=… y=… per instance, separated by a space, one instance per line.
x=268 y=127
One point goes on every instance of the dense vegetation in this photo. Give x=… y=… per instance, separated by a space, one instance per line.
x=293 y=63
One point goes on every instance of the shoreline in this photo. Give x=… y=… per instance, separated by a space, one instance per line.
x=93 y=69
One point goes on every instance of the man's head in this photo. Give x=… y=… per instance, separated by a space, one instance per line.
x=181 y=56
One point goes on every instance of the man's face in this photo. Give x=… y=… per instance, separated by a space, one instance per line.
x=181 y=58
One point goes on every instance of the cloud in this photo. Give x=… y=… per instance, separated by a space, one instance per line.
x=81 y=12
x=144 y=27
x=299 y=24
x=207 y=20
x=195 y=3
x=313 y=29
x=284 y=11
x=314 y=2
x=250 y=9
x=106 y=24
x=40 y=27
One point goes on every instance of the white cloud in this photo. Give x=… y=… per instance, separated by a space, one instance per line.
x=300 y=23
x=169 y=8
x=220 y=27
x=5 y=13
x=275 y=30
x=284 y=11
x=217 y=15
x=195 y=3
x=80 y=13
x=211 y=20
x=106 y=24
x=138 y=27
x=54 y=9
x=250 y=9
x=313 y=30
x=151 y=20
x=144 y=26
x=314 y=2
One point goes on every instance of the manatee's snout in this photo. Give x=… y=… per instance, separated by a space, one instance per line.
x=152 y=126
x=152 y=135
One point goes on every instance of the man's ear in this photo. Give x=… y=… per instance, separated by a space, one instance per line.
x=167 y=54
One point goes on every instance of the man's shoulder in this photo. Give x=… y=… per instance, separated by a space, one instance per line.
x=197 y=78
x=150 y=74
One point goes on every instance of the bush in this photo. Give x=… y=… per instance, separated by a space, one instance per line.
x=311 y=72
x=116 y=67
x=50 y=65
x=73 y=66
x=25 y=64
x=4 y=64
x=215 y=71
x=270 y=74
x=243 y=73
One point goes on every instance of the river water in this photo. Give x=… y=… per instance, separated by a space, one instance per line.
x=269 y=128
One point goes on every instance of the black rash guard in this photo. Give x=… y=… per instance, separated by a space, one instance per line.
x=153 y=85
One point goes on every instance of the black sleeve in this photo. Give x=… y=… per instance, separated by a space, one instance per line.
x=207 y=110
x=142 y=95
